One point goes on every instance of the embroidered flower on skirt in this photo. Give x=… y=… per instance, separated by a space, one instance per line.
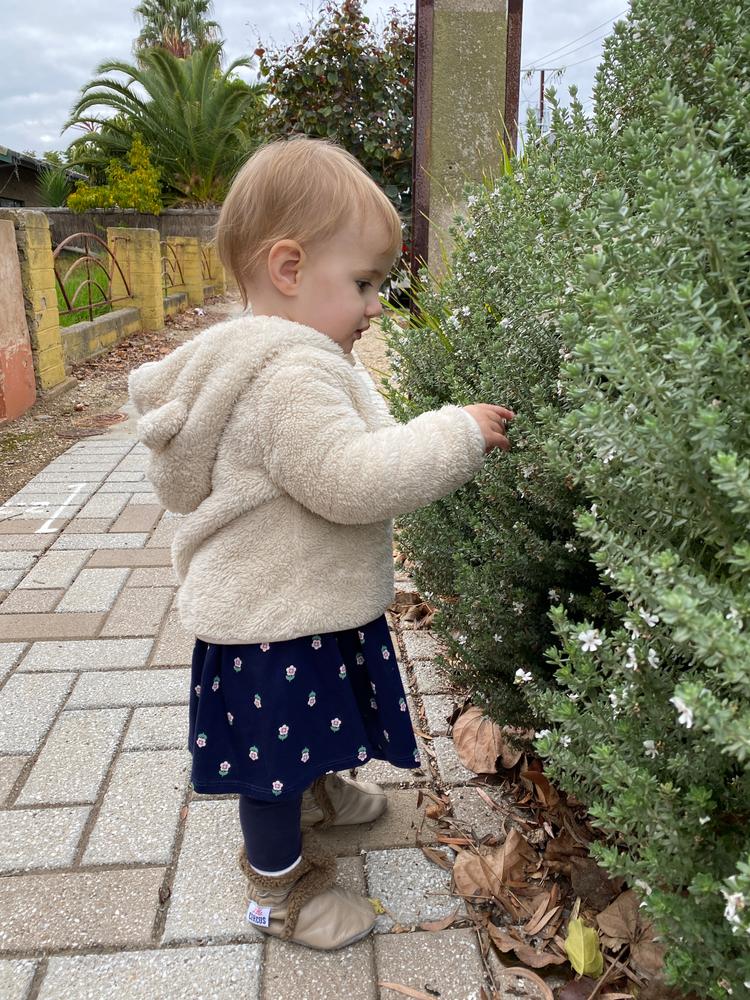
x=266 y=719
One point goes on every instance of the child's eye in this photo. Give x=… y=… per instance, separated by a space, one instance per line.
x=362 y=285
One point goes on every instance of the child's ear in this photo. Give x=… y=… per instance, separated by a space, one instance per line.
x=284 y=264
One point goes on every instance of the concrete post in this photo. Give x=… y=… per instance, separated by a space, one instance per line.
x=461 y=70
x=17 y=388
x=216 y=269
x=39 y=293
x=188 y=251
x=139 y=255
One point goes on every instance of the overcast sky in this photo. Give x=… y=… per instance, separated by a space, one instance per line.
x=49 y=49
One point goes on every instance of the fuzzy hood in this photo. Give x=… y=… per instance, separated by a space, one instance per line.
x=185 y=400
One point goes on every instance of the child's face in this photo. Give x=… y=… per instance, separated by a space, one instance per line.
x=340 y=281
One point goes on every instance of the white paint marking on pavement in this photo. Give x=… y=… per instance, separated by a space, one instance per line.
x=45 y=528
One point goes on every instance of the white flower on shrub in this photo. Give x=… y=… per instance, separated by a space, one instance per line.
x=704 y=819
x=650 y=748
x=735 y=904
x=632 y=662
x=648 y=618
x=497 y=638
x=461 y=639
x=542 y=734
x=614 y=700
x=594 y=509
x=472 y=257
x=565 y=741
x=573 y=696
x=505 y=322
x=685 y=718
x=523 y=676
x=590 y=640
x=518 y=607
x=633 y=629
x=644 y=886
x=630 y=410
x=465 y=311
x=733 y=615
x=653 y=659
x=569 y=547
x=606 y=459
x=553 y=595
x=453 y=319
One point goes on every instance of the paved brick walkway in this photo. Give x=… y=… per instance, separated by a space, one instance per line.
x=118 y=882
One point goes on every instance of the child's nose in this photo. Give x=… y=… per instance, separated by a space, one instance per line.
x=374 y=307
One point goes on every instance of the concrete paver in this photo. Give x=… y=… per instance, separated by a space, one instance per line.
x=15 y=978
x=75 y=758
x=24 y=831
x=157 y=780
x=224 y=972
x=419 y=961
x=94 y=654
x=57 y=910
x=122 y=892
x=28 y=706
x=158 y=728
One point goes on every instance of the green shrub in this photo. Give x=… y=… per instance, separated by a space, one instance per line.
x=133 y=186
x=620 y=250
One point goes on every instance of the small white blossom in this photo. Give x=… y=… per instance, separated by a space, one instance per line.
x=471 y=200
x=505 y=323
x=553 y=595
x=653 y=659
x=472 y=256
x=465 y=311
x=704 y=819
x=648 y=618
x=614 y=699
x=650 y=748
x=630 y=410
x=733 y=615
x=461 y=639
x=523 y=676
x=569 y=546
x=736 y=903
x=497 y=637
x=565 y=741
x=633 y=629
x=594 y=509
x=644 y=886
x=518 y=607
x=542 y=733
x=606 y=459
x=685 y=717
x=573 y=696
x=590 y=640
x=632 y=661
x=492 y=268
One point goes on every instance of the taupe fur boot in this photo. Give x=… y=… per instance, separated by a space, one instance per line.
x=304 y=906
x=335 y=800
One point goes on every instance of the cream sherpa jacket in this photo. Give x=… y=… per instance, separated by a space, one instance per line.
x=284 y=457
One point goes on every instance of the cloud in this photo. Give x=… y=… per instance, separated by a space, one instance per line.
x=55 y=50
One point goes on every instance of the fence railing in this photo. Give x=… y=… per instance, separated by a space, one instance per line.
x=171 y=268
x=88 y=279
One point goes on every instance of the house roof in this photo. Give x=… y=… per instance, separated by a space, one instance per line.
x=16 y=159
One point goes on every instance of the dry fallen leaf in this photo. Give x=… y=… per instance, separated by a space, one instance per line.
x=480 y=742
x=532 y=977
x=485 y=873
x=506 y=941
x=622 y=923
x=592 y=883
x=439 y=925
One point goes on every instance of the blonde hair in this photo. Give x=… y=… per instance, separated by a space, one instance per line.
x=300 y=189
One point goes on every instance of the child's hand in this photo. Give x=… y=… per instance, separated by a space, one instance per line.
x=492 y=420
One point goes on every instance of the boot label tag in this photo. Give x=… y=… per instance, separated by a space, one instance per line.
x=258 y=915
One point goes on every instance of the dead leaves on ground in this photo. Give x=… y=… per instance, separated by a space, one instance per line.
x=533 y=889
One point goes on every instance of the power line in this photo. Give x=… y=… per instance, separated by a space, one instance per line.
x=578 y=48
x=578 y=62
x=609 y=20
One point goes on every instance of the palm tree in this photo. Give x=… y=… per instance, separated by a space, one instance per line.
x=180 y=26
x=198 y=122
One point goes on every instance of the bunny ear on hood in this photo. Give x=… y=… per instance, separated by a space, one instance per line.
x=185 y=400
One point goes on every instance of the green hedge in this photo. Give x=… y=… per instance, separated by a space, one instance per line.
x=600 y=288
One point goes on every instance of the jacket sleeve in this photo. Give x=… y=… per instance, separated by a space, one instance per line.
x=319 y=450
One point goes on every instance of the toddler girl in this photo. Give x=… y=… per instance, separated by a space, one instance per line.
x=281 y=453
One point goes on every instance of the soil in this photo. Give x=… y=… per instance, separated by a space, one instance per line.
x=54 y=423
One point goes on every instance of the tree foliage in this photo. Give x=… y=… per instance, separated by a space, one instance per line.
x=342 y=80
x=180 y=26
x=192 y=116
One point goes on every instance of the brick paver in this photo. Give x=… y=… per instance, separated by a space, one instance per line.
x=120 y=879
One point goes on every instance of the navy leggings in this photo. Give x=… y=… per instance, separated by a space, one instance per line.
x=271 y=830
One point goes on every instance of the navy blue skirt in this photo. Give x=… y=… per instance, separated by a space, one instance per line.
x=266 y=719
